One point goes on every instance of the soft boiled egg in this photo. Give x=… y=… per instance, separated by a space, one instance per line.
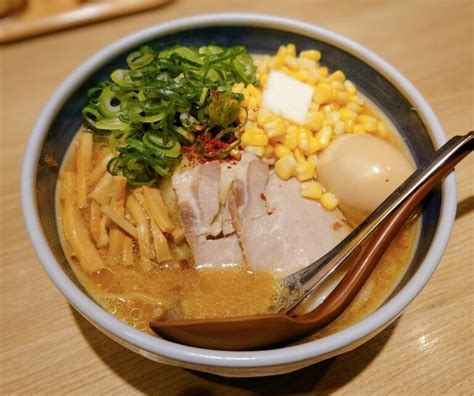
x=362 y=170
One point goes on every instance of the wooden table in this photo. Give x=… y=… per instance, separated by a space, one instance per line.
x=48 y=348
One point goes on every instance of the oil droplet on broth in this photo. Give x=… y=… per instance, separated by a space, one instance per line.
x=229 y=292
x=203 y=293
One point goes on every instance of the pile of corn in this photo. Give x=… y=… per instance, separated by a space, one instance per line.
x=336 y=109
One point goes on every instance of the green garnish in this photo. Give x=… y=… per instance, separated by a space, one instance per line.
x=164 y=101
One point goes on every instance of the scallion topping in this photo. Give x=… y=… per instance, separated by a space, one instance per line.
x=165 y=100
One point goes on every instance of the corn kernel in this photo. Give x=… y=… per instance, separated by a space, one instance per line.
x=264 y=115
x=327 y=109
x=301 y=75
x=254 y=91
x=291 y=62
x=281 y=150
x=333 y=117
x=338 y=75
x=310 y=189
x=382 y=130
x=304 y=171
x=359 y=129
x=314 y=107
x=313 y=145
x=314 y=120
x=251 y=115
x=357 y=100
x=322 y=93
x=286 y=70
x=351 y=89
x=313 y=76
x=347 y=114
x=369 y=122
x=263 y=78
x=290 y=140
x=306 y=63
x=342 y=97
x=349 y=124
x=337 y=86
x=262 y=67
x=299 y=156
x=257 y=150
x=329 y=201
x=268 y=153
x=313 y=158
x=354 y=107
x=311 y=54
x=275 y=128
x=252 y=103
x=291 y=50
x=323 y=71
x=276 y=62
x=282 y=52
x=303 y=145
x=238 y=88
x=339 y=128
x=284 y=167
x=324 y=136
x=303 y=134
x=254 y=137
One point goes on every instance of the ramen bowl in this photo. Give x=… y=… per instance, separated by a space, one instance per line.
x=396 y=97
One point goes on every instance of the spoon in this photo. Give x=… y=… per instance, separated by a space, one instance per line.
x=380 y=227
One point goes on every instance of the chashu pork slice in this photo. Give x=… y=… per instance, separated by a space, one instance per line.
x=279 y=230
x=201 y=215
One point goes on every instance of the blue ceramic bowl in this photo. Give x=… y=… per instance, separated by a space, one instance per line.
x=376 y=79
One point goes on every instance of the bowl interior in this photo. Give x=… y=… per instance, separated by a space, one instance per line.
x=259 y=40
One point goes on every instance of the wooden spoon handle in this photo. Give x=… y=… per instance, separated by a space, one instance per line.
x=344 y=293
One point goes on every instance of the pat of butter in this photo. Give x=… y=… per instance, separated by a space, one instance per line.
x=287 y=97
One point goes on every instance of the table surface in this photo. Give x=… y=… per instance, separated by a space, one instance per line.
x=428 y=350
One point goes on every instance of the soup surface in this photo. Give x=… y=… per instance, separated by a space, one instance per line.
x=137 y=238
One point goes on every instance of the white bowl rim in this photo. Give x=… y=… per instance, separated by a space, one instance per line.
x=198 y=356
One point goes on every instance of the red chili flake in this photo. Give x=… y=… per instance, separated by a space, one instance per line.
x=263 y=197
x=336 y=226
x=215 y=94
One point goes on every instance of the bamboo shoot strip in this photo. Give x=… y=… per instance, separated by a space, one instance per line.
x=83 y=163
x=104 y=232
x=143 y=231
x=160 y=243
x=94 y=221
x=101 y=167
x=117 y=204
x=119 y=220
x=103 y=190
x=127 y=253
x=157 y=209
x=75 y=230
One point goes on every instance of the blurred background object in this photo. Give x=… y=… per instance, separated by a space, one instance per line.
x=21 y=19
x=8 y=7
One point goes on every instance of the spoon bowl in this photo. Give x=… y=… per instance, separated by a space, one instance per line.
x=379 y=229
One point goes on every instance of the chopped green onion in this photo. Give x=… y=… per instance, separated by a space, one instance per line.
x=162 y=101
